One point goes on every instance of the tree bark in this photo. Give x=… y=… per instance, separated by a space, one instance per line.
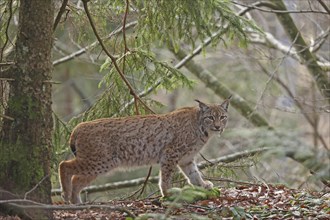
x=25 y=144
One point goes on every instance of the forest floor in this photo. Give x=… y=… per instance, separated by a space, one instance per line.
x=242 y=202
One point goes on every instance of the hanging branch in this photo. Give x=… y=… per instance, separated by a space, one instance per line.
x=113 y=59
x=127 y=50
x=124 y=26
x=60 y=13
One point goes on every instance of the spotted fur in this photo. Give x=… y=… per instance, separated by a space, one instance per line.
x=171 y=140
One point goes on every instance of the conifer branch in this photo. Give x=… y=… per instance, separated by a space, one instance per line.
x=92 y=45
x=113 y=59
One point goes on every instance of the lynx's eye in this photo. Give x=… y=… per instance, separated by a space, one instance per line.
x=211 y=117
x=223 y=117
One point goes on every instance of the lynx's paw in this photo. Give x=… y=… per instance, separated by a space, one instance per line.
x=65 y=197
x=207 y=185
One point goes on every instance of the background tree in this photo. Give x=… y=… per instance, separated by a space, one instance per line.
x=27 y=120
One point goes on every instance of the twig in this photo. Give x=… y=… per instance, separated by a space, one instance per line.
x=124 y=25
x=6 y=63
x=146 y=181
x=7 y=117
x=287 y=89
x=37 y=205
x=272 y=75
x=229 y=180
x=270 y=41
x=125 y=52
x=141 y=189
x=204 y=158
x=60 y=13
x=324 y=6
x=320 y=40
x=35 y=187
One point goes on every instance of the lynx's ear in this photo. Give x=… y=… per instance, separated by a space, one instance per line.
x=225 y=103
x=202 y=105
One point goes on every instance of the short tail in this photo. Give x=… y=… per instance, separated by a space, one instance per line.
x=73 y=148
x=73 y=144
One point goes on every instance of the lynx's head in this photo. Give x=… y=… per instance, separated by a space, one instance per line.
x=213 y=118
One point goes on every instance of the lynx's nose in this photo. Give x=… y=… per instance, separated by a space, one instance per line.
x=217 y=127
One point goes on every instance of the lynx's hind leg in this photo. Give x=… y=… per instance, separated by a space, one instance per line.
x=65 y=174
x=78 y=183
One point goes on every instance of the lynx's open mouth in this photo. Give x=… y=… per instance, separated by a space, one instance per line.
x=220 y=130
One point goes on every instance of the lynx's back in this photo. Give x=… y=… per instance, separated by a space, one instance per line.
x=136 y=140
x=168 y=139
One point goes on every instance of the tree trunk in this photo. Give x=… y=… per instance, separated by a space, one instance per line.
x=25 y=144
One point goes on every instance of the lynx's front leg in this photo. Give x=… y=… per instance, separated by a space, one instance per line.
x=193 y=175
x=166 y=172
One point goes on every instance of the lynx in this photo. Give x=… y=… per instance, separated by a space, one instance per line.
x=171 y=140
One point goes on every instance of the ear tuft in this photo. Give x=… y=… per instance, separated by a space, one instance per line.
x=202 y=105
x=225 y=103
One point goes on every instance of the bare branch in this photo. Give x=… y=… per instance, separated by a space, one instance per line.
x=287 y=89
x=324 y=6
x=7 y=117
x=35 y=187
x=36 y=205
x=273 y=8
x=60 y=13
x=309 y=58
x=270 y=41
x=7 y=64
x=89 y=47
x=272 y=75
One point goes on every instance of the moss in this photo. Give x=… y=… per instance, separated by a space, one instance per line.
x=21 y=166
x=24 y=105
